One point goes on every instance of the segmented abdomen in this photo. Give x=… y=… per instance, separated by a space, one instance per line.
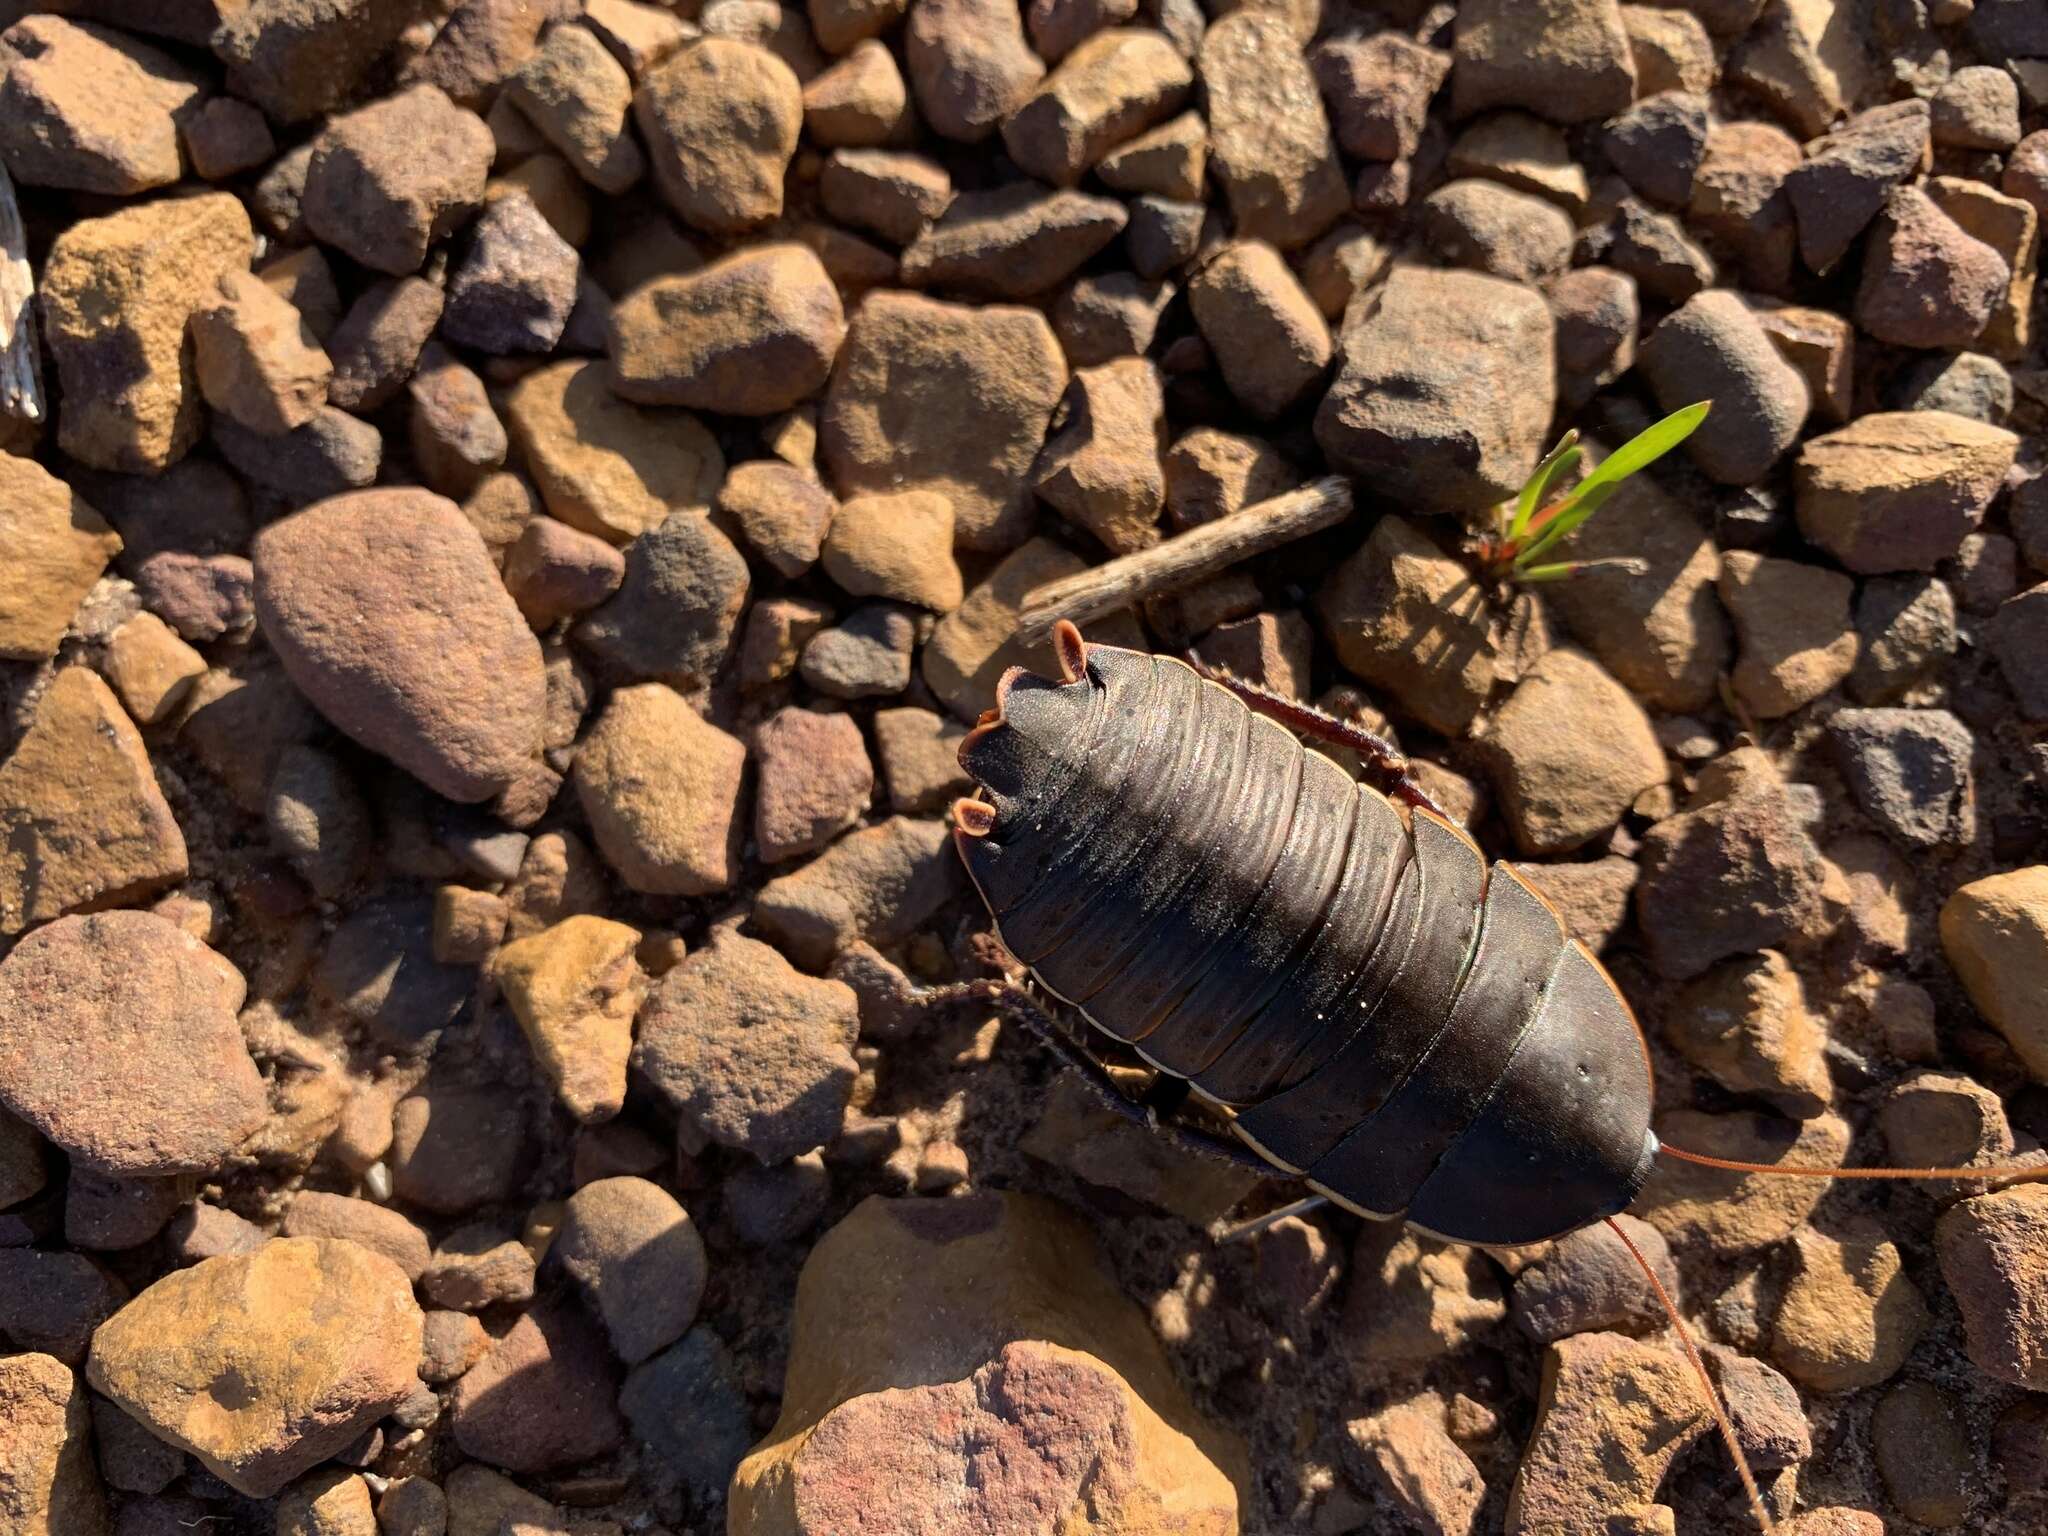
x=1386 y=1016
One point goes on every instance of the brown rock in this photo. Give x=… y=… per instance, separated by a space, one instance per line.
x=1801 y=60
x=1926 y=1454
x=1849 y=1316
x=454 y=1147
x=755 y=1054
x=1927 y=283
x=86 y=108
x=1991 y=1251
x=661 y=788
x=1406 y=1453
x=331 y=1502
x=544 y=1397
x=899 y=547
x=781 y=512
x=637 y=1259
x=942 y=397
x=56 y=548
x=1704 y=1209
x=1593 y=897
x=296 y=60
x=1101 y=466
x=1015 y=1325
x=1011 y=243
x=264 y=1365
x=555 y=572
x=879 y=884
x=388 y=613
x=1265 y=332
x=1899 y=490
x=1994 y=932
x=750 y=335
x=2011 y=226
x=919 y=750
x=1588 y=1281
x=1168 y=161
x=1746 y=1024
x=970 y=67
x=1793 y=623
x=1269 y=141
x=604 y=465
x=388 y=180
x=479 y=1266
x=574 y=988
x=256 y=357
x=865 y=656
x=721 y=121
x=1571 y=750
x=577 y=95
x=1713 y=348
x=815 y=781
x=1944 y=1120
x=1113 y=86
x=859 y=102
x=518 y=281
x=375 y=1227
x=890 y=192
x=675 y=612
x=1738 y=191
x=378 y=342
x=1476 y=223
x=82 y=822
x=1415 y=1298
x=1379 y=89
x=48 y=1484
x=116 y=292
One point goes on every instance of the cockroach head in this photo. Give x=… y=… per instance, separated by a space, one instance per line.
x=1037 y=724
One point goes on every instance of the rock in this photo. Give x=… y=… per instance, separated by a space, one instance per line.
x=379 y=970
x=543 y=1398
x=661 y=788
x=1016 y=1324
x=454 y=1147
x=1908 y=629
x=1613 y=1415
x=1769 y=1419
x=1110 y=88
x=889 y=192
x=331 y=1502
x=1944 y=1120
x=1994 y=932
x=1926 y=282
x=332 y=454
x=375 y=1227
x=1713 y=348
x=457 y=439
x=778 y=1204
x=898 y=547
x=755 y=1054
x=604 y=465
x=1925 y=1454
x=49 y=1486
x=1655 y=250
x=58 y=546
x=1212 y=473
x=1011 y=243
x=378 y=342
x=1378 y=88
x=115 y=295
x=452 y=1343
x=866 y=656
x=1991 y=1252
x=388 y=613
x=1593 y=897
x=574 y=988
x=1705 y=1209
x=815 y=781
x=1169 y=161
x=1398 y=614
x=1793 y=622
x=86 y=108
x=721 y=121
x=920 y=758
x=256 y=358
x=1588 y=1282
x=52 y=1302
x=121 y=1045
x=639 y=1263
x=131 y=1458
x=2026 y=172
x=1597 y=316
x=970 y=66
x=1405 y=1453
x=1658 y=143
x=1909 y=770
x=1849 y=175
x=879 y=884
x=576 y=94
x=479 y=1266
x=1671 y=50
x=942 y=397
x=1963 y=384
x=687 y=1403
x=1489 y=228
x=297 y=1349
x=1746 y=1024
x=1571 y=750
x=1269 y=140
x=1738 y=193
x=109 y=1214
x=1978 y=108
x=1101 y=319
x=677 y=607
x=1898 y=490
x=2015 y=639
x=859 y=102
x=781 y=511
x=388 y=180
x=1522 y=152
x=1567 y=60
x=1266 y=334
x=1849 y=1316
x=1413 y=1298
x=1100 y=467
x=516 y=285
x=555 y=572
x=297 y=61
x=1163 y=234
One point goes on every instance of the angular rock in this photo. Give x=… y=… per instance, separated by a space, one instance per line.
x=389 y=179
x=781 y=512
x=636 y=1258
x=255 y=356
x=577 y=95
x=1378 y=88
x=1012 y=243
x=1994 y=932
x=48 y=1483
x=1100 y=466
x=815 y=781
x=660 y=786
x=1738 y=193
x=1522 y=152
x=688 y=1405
x=1991 y=1251
x=1269 y=140
x=332 y=454
x=1567 y=60
x=675 y=612
x=1571 y=750
x=375 y=1227
x=1655 y=250
x=721 y=121
x=543 y=1398
x=378 y=342
x=1898 y=490
x=379 y=969
x=295 y=60
x=1658 y=143
x=970 y=67
x=1112 y=87
x=1713 y=348
x=86 y=108
x=454 y=1148
x=898 y=547
x=1167 y=162
x=515 y=288
x=479 y=1266
x=1493 y=229
x=1793 y=623
x=1589 y=1282
x=1405 y=1452
x=1849 y=1316
x=555 y=572
x=1211 y=473
x=879 y=884
x=1414 y=1298
x=57 y=546
x=1746 y=1024
x=890 y=192
x=920 y=751
x=457 y=439
x=1909 y=769
x=1265 y=333
x=859 y=102
x=1849 y=174
x=1707 y=1210
x=2015 y=640
x=264 y=1365
x=865 y=656
x=1926 y=281
x=1979 y=108
x=574 y=988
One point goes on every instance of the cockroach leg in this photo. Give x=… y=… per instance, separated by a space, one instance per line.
x=1249 y=1229
x=1384 y=763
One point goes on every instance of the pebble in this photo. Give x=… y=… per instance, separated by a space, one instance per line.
x=330 y=1502
x=897 y=547
x=88 y=109
x=297 y=1348
x=455 y=435
x=1909 y=770
x=333 y=453
x=371 y=1226
x=1671 y=49
x=455 y=1147
x=377 y=344
x=543 y=1398
x=389 y=179
x=1849 y=1315
x=1654 y=249
x=1994 y=932
x=1264 y=331
x=991 y=1324
x=661 y=788
x=556 y=572
x=576 y=96
x=1658 y=143
x=750 y=335
x=451 y=1342
x=1522 y=152
x=53 y=1302
x=1615 y=1412
x=757 y=1055
x=919 y=752
x=2015 y=640
x=1899 y=490
x=1845 y=180
x=255 y=356
x=388 y=614
x=1078 y=1132
x=1566 y=60
x=636 y=1259
x=1011 y=243
x=1714 y=348
x=131 y=1458
x=780 y=1203
x=1963 y=384
x=603 y=464
x=1597 y=315
x=1769 y=1418
x=59 y=546
x=935 y=396
x=1101 y=318
x=1163 y=233
x=888 y=192
x=678 y=606
x=782 y=513
x=1703 y=1209
x=1792 y=620
x=866 y=656
x=121 y=286
x=1211 y=473
x=1570 y=750
x=226 y=137
x=379 y=971
x=970 y=66
x=880 y=884
x=296 y=64
x=1927 y=282
x=860 y=102
x=1588 y=1282
x=1991 y=1249
x=1414 y=1299
x=1378 y=88
x=1405 y=1453
x=815 y=781
x=1594 y=897
x=514 y=288
x=721 y=121
x=1746 y=1024
x=574 y=987
x=1110 y=88
x=1169 y=161
x=134 y=1064
x=1907 y=631
x=1944 y=1120
x=1978 y=108
x=1269 y=140
x=49 y=1485
x=688 y=1405
x=478 y=1266
x=1490 y=228
x=1822 y=346
x=1100 y=467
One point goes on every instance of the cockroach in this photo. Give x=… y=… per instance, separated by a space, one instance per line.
x=1330 y=964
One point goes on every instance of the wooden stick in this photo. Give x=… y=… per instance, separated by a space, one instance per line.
x=21 y=383
x=1185 y=559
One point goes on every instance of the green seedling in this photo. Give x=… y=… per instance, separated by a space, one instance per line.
x=1533 y=524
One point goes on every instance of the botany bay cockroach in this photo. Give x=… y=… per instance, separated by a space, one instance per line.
x=1331 y=965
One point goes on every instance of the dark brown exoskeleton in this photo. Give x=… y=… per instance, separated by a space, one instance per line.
x=1332 y=966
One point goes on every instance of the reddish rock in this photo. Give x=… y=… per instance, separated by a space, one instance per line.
x=544 y=1398
x=815 y=781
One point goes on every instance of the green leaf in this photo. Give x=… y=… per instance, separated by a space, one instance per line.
x=1639 y=452
x=1555 y=464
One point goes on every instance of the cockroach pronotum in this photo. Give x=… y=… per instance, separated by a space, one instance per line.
x=1330 y=964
